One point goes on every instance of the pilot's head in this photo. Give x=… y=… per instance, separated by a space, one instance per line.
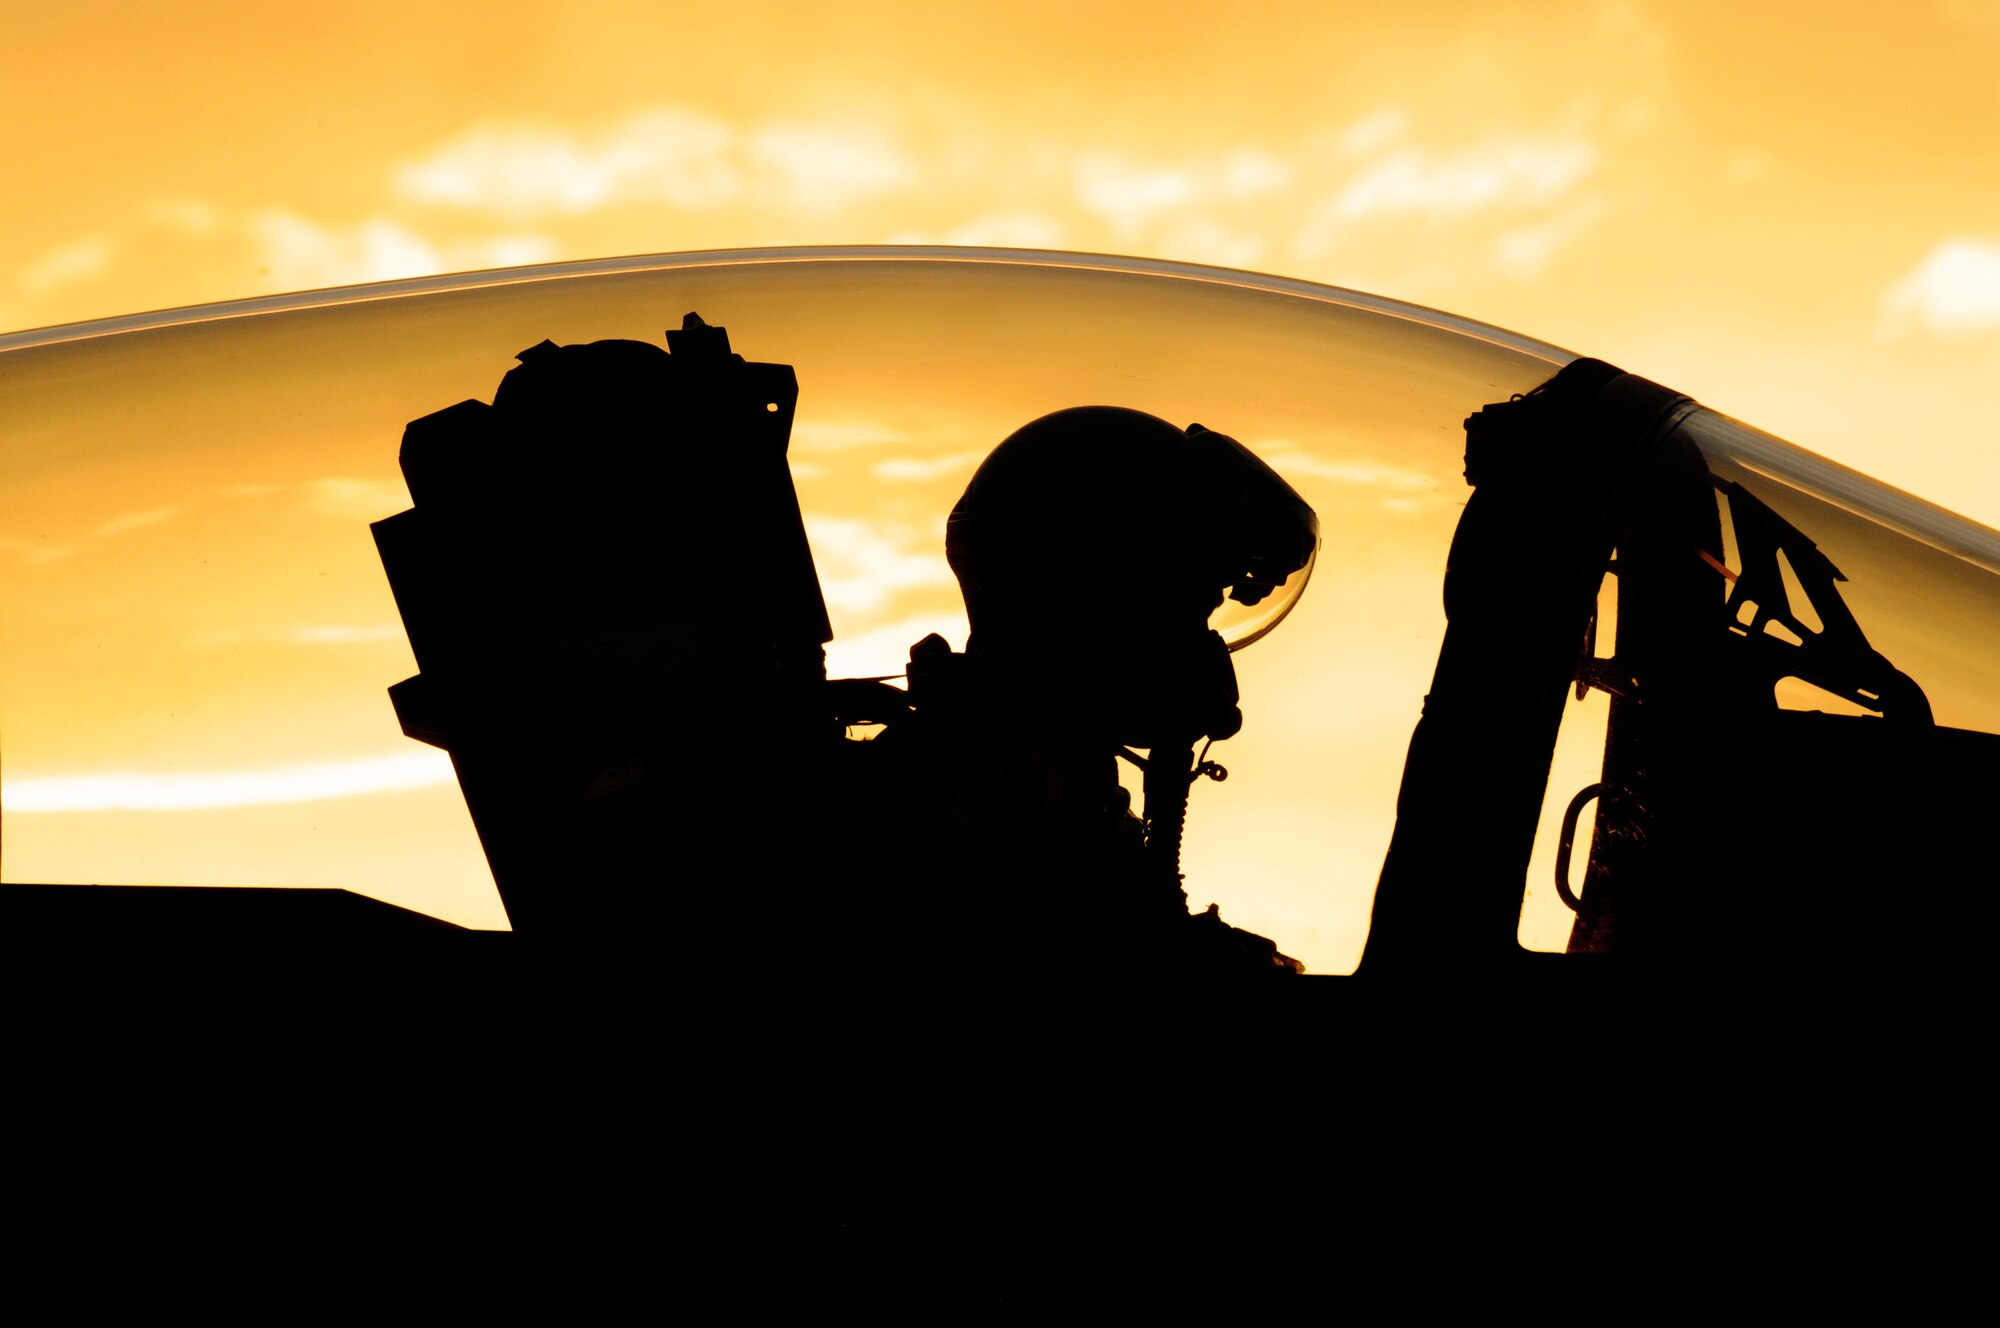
x=1093 y=546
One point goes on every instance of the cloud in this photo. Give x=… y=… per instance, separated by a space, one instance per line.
x=35 y=553
x=1209 y=208
x=299 y=253
x=1284 y=458
x=134 y=521
x=1252 y=173
x=838 y=435
x=79 y=260
x=1126 y=195
x=178 y=250
x=126 y=791
x=817 y=169
x=341 y=634
x=668 y=156
x=865 y=565
x=1395 y=490
x=1491 y=179
x=677 y=157
x=885 y=650
x=1503 y=172
x=343 y=496
x=1374 y=131
x=318 y=634
x=1206 y=240
x=190 y=216
x=1748 y=166
x=1009 y=230
x=921 y=470
x=1525 y=252
x=1955 y=291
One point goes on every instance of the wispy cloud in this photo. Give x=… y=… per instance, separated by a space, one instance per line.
x=342 y=634
x=1251 y=172
x=885 y=650
x=1507 y=172
x=118 y=525
x=508 y=193
x=1132 y=195
x=681 y=158
x=839 y=435
x=1207 y=240
x=1289 y=460
x=33 y=552
x=1525 y=252
x=343 y=496
x=1127 y=194
x=1748 y=166
x=79 y=260
x=865 y=565
x=190 y=216
x=249 y=250
x=299 y=253
x=315 y=634
x=819 y=169
x=669 y=156
x=1512 y=186
x=1005 y=229
x=302 y=253
x=149 y=792
x=922 y=470
x=1374 y=131
x=1954 y=291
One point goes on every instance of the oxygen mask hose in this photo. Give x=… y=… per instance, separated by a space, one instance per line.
x=1169 y=774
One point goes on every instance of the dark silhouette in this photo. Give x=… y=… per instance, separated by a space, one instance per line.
x=1729 y=833
x=610 y=595
x=680 y=1056
x=1092 y=546
x=613 y=604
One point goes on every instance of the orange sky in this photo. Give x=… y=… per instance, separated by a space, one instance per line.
x=200 y=632
x=1793 y=215
x=1789 y=210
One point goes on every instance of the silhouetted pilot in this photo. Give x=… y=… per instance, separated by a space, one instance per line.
x=1092 y=546
x=613 y=605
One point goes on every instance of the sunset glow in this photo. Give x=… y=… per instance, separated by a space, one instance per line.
x=1751 y=203
x=186 y=792
x=1788 y=211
